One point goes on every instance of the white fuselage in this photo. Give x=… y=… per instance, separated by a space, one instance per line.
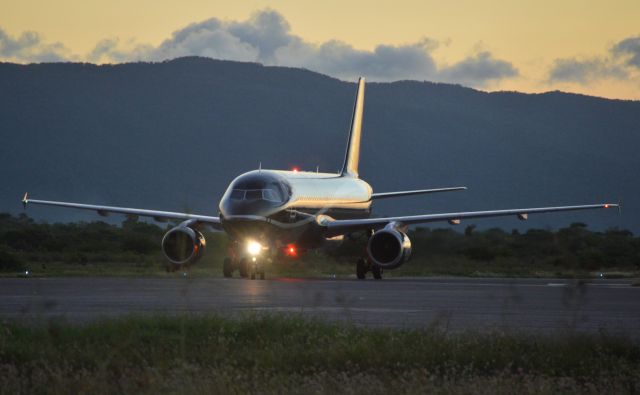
x=326 y=191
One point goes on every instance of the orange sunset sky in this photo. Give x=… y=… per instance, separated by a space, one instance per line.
x=531 y=46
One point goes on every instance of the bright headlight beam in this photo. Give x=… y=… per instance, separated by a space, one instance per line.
x=254 y=247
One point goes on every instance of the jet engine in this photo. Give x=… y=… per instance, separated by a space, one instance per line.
x=183 y=245
x=389 y=248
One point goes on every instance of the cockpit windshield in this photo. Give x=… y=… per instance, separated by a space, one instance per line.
x=269 y=194
x=238 y=194
x=255 y=191
x=253 y=194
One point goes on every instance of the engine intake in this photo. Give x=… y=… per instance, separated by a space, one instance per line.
x=389 y=248
x=183 y=245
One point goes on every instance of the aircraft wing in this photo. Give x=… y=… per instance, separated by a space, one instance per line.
x=160 y=216
x=341 y=227
x=384 y=195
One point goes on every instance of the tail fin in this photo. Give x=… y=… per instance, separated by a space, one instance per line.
x=352 y=156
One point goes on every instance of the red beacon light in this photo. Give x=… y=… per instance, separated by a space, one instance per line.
x=290 y=250
x=295 y=169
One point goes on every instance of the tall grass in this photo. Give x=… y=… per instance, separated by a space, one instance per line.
x=289 y=354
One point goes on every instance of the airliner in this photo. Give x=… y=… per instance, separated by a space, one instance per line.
x=267 y=213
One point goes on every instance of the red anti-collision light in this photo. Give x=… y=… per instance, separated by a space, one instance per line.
x=290 y=250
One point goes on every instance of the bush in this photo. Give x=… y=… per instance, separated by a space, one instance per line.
x=10 y=261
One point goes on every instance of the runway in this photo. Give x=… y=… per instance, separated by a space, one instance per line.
x=451 y=303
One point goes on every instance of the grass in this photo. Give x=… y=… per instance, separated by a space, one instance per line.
x=289 y=354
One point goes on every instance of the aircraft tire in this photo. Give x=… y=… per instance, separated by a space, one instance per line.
x=376 y=271
x=227 y=267
x=361 y=269
x=243 y=268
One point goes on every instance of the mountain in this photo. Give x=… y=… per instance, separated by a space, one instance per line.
x=172 y=135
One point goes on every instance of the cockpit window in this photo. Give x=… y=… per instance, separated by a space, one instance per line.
x=254 y=194
x=270 y=195
x=237 y=194
x=257 y=186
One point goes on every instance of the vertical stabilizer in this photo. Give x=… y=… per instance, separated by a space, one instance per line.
x=352 y=156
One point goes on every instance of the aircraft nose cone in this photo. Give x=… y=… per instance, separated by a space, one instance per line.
x=256 y=193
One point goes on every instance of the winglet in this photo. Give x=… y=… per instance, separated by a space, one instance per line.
x=620 y=206
x=25 y=200
x=613 y=205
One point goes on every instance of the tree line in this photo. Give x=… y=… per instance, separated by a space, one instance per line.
x=24 y=241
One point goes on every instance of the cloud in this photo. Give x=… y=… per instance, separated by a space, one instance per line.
x=585 y=71
x=629 y=49
x=478 y=70
x=29 y=47
x=621 y=62
x=266 y=38
x=384 y=63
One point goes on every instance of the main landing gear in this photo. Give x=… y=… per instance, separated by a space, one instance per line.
x=247 y=267
x=363 y=265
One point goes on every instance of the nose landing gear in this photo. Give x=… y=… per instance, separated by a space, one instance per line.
x=256 y=268
x=247 y=267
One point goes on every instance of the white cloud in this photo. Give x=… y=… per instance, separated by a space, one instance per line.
x=619 y=63
x=478 y=70
x=29 y=47
x=585 y=71
x=266 y=38
x=629 y=50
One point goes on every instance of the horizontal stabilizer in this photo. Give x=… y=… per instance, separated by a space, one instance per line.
x=384 y=195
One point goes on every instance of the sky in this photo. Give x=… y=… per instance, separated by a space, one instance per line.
x=589 y=47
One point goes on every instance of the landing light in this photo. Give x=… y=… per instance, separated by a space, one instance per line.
x=254 y=247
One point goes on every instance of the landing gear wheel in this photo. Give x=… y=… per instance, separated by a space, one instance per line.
x=376 y=271
x=256 y=269
x=243 y=268
x=227 y=267
x=361 y=269
x=253 y=268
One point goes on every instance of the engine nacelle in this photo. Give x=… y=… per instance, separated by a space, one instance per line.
x=389 y=248
x=183 y=245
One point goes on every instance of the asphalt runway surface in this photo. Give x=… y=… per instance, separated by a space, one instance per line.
x=539 y=305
